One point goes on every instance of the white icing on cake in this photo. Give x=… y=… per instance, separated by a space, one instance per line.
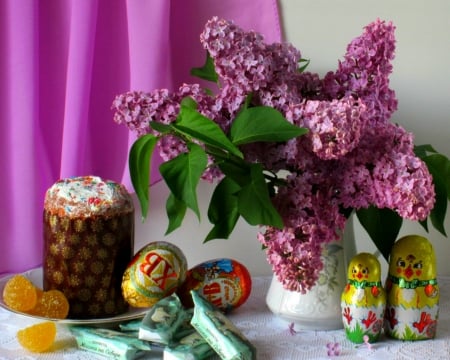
x=86 y=196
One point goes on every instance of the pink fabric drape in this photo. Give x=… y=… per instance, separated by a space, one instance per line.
x=62 y=63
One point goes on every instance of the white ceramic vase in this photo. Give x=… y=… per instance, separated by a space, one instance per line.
x=319 y=308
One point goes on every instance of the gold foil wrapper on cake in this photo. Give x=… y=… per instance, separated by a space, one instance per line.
x=88 y=266
x=155 y=272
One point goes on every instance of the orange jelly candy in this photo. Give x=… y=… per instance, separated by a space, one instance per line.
x=51 y=304
x=20 y=294
x=38 y=337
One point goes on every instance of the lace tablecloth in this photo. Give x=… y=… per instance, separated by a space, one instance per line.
x=269 y=334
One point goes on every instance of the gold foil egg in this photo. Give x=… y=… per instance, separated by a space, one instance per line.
x=155 y=272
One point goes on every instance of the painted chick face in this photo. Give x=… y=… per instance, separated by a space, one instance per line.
x=364 y=267
x=413 y=257
x=360 y=272
x=410 y=267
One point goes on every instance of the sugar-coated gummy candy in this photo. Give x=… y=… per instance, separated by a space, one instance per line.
x=38 y=337
x=51 y=304
x=19 y=293
x=22 y=295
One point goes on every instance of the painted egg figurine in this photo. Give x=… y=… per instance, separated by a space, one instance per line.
x=155 y=272
x=226 y=283
x=363 y=300
x=412 y=290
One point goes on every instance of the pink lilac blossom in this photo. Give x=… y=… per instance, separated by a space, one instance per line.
x=352 y=156
x=366 y=342
x=243 y=59
x=335 y=126
x=333 y=349
x=299 y=261
x=365 y=71
x=311 y=219
x=291 y=329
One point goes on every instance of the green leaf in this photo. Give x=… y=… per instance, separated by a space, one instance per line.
x=262 y=123
x=207 y=71
x=223 y=209
x=162 y=128
x=188 y=103
x=382 y=225
x=183 y=173
x=304 y=66
x=139 y=162
x=236 y=169
x=247 y=102
x=176 y=210
x=254 y=201
x=193 y=124
x=424 y=224
x=422 y=150
x=439 y=168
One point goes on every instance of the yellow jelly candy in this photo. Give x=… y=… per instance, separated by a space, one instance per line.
x=51 y=304
x=20 y=293
x=38 y=337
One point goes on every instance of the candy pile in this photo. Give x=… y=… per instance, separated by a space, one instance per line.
x=22 y=295
x=186 y=309
x=172 y=332
x=186 y=316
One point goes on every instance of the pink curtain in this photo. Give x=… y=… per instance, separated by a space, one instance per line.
x=62 y=63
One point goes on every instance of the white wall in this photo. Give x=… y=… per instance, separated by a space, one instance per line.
x=321 y=29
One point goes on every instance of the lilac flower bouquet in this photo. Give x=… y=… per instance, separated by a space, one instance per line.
x=291 y=152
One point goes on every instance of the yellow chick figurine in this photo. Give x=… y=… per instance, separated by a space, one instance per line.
x=363 y=300
x=412 y=290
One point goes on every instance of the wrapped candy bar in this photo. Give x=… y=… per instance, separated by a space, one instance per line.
x=113 y=344
x=219 y=331
x=190 y=347
x=185 y=328
x=164 y=321
x=131 y=327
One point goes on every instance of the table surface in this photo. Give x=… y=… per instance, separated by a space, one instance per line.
x=268 y=333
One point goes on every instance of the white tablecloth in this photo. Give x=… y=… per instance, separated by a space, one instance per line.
x=269 y=334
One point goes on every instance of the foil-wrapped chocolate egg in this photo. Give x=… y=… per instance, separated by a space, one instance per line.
x=226 y=283
x=155 y=272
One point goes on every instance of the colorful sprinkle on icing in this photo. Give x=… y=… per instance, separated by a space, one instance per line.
x=86 y=196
